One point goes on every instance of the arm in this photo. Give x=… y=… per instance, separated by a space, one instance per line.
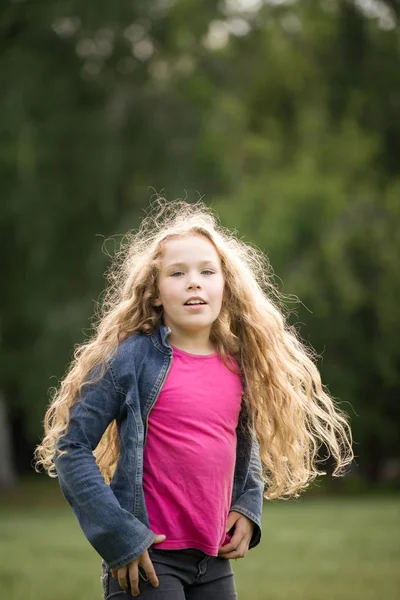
x=250 y=501
x=114 y=532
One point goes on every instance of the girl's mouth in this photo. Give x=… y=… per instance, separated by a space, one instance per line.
x=194 y=306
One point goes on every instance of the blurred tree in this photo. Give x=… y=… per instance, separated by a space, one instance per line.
x=286 y=115
x=322 y=192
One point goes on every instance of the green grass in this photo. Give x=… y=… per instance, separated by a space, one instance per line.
x=347 y=549
x=313 y=549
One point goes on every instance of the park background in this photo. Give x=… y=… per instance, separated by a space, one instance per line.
x=284 y=116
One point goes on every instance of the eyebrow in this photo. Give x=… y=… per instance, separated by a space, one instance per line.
x=182 y=264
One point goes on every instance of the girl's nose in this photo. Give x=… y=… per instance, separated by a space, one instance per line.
x=193 y=284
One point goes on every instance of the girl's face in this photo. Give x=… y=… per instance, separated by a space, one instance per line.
x=190 y=267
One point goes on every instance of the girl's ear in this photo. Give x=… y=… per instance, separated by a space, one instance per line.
x=156 y=302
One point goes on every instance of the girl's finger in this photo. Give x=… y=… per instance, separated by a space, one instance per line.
x=235 y=542
x=238 y=553
x=231 y=556
x=123 y=578
x=134 y=578
x=232 y=518
x=148 y=567
x=226 y=549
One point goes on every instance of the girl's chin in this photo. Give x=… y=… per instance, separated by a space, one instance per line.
x=192 y=323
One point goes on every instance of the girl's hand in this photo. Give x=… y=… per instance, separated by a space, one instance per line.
x=128 y=575
x=240 y=541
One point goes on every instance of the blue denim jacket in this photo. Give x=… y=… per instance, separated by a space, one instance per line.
x=114 y=517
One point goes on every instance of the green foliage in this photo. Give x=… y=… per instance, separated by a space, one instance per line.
x=291 y=129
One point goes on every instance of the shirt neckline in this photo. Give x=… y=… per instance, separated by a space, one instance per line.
x=180 y=351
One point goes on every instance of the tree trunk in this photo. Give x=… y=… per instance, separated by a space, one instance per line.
x=8 y=476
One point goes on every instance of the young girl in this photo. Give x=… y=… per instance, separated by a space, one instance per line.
x=192 y=401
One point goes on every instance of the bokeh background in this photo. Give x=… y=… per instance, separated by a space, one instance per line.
x=284 y=116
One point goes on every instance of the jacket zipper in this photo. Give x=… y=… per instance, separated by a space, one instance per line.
x=155 y=400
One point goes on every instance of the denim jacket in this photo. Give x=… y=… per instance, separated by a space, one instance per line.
x=114 y=517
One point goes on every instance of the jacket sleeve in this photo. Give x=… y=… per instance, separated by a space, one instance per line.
x=116 y=534
x=250 y=501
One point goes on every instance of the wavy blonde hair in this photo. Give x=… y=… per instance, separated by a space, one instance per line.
x=292 y=413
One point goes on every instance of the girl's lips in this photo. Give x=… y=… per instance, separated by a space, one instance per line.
x=194 y=306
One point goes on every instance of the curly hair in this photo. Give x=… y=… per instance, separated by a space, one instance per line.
x=293 y=414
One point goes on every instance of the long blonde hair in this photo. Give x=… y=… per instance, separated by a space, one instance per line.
x=292 y=413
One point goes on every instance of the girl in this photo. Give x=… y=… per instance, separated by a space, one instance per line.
x=192 y=401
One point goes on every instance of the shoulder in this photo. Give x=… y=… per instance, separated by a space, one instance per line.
x=130 y=356
x=130 y=349
x=136 y=352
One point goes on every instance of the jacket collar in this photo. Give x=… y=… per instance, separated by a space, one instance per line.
x=159 y=339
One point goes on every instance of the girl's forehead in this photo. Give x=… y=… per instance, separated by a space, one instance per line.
x=189 y=247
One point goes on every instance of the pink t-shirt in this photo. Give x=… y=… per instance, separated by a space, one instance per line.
x=190 y=453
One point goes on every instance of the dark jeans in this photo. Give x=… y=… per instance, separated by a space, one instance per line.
x=183 y=575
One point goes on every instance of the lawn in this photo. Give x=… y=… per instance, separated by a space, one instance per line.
x=325 y=549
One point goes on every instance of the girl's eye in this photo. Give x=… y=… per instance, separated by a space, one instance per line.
x=181 y=273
